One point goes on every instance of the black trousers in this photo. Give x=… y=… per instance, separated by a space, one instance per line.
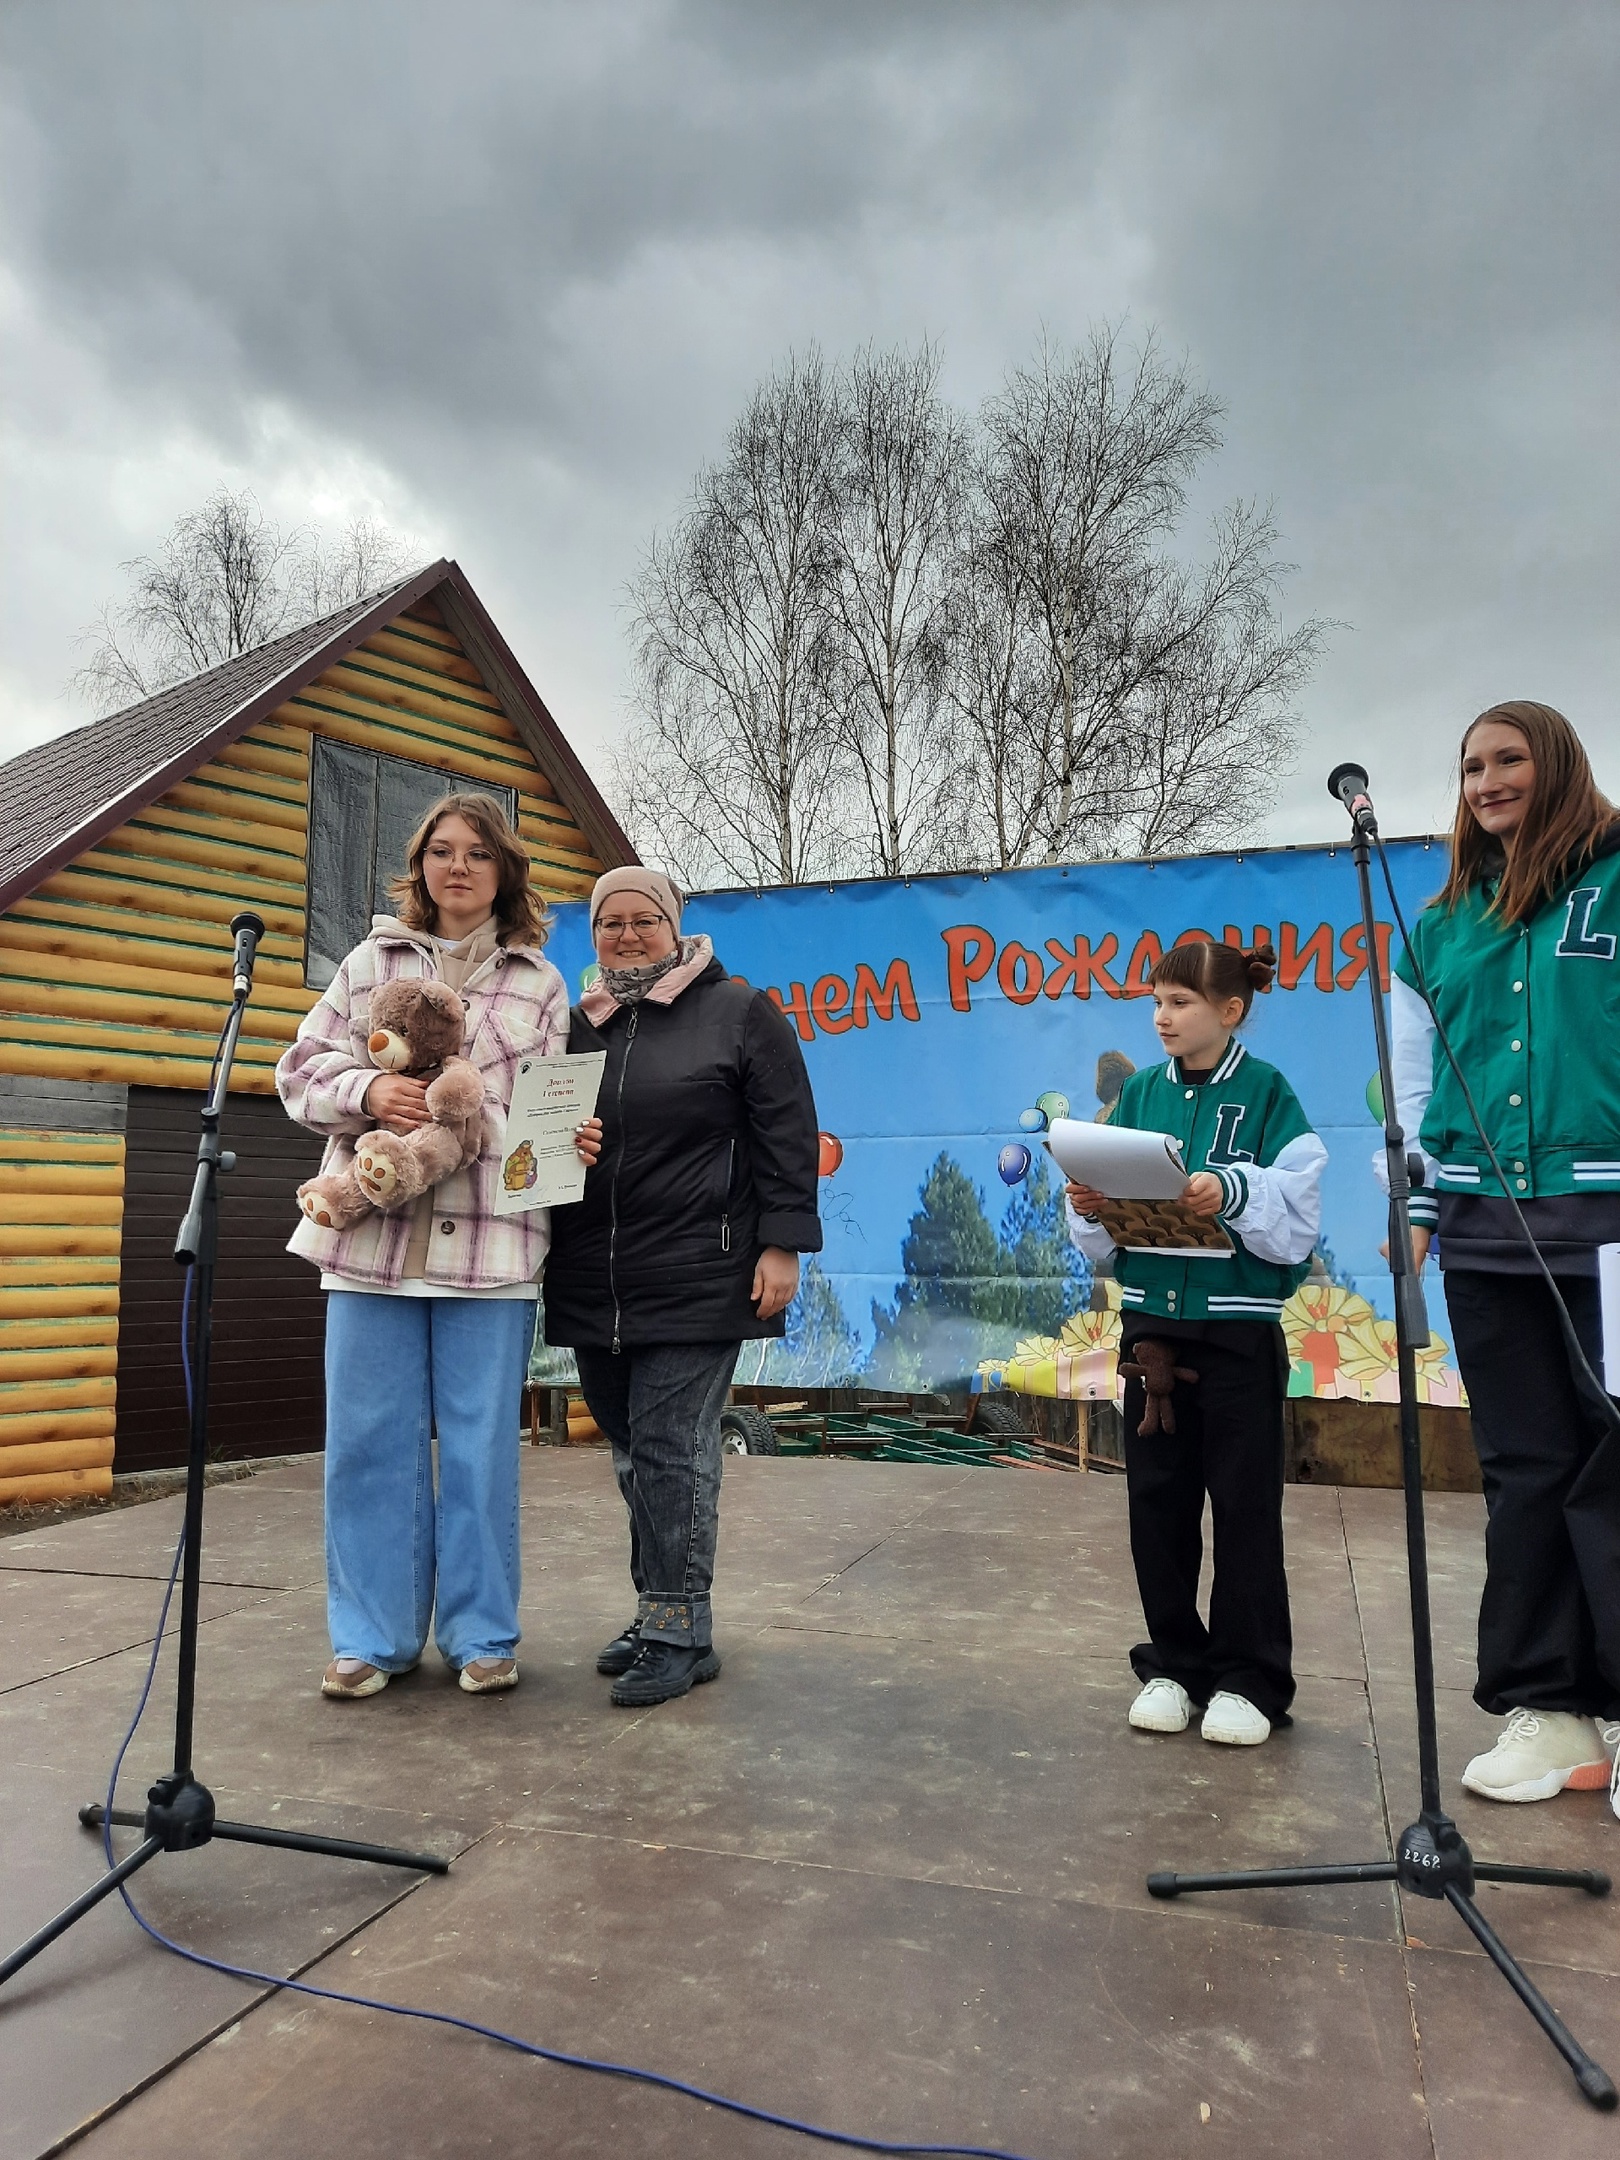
x=1549 y=1621
x=1228 y=1443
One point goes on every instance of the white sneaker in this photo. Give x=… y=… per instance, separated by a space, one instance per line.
x=1539 y=1754
x=1163 y=1706
x=1233 y=1721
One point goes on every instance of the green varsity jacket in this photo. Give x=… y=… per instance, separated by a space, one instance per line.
x=1533 y=1013
x=1244 y=1124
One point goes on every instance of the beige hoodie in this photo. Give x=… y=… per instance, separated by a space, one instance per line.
x=454 y=959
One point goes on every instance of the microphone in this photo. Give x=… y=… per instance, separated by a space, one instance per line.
x=248 y=928
x=1347 y=784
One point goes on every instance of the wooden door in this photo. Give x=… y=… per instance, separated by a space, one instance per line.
x=267 y=1395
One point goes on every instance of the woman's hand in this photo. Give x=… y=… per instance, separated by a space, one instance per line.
x=776 y=1281
x=397 y=1103
x=1085 y=1199
x=588 y=1140
x=1420 y=1248
x=1203 y=1195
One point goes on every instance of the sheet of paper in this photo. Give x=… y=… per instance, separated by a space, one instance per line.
x=549 y=1098
x=1126 y=1165
x=1609 y=1305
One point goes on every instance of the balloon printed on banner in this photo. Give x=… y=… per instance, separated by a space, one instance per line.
x=1032 y=1121
x=830 y=1153
x=1013 y=1163
x=1052 y=1105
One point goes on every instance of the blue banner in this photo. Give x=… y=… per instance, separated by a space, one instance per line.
x=945 y=1019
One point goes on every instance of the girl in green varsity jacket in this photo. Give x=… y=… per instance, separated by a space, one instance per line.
x=1521 y=954
x=1203 y=1354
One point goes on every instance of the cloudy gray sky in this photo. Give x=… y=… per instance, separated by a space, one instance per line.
x=501 y=273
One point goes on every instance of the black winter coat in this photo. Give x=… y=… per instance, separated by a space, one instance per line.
x=709 y=1153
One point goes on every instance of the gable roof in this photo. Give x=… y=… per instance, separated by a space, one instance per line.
x=64 y=795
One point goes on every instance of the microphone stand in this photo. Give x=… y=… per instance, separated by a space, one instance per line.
x=179 y=1814
x=1432 y=1859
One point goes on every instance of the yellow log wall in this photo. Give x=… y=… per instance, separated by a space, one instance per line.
x=114 y=969
x=61 y=1215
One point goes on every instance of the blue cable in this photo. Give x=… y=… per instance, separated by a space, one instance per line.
x=445 y=2017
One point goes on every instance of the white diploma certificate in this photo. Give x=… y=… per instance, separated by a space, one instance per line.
x=1609 y=1293
x=550 y=1096
x=1143 y=1177
x=1124 y=1164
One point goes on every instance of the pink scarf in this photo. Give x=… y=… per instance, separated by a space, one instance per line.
x=599 y=1003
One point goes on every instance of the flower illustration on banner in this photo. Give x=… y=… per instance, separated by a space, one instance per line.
x=1088 y=1354
x=1315 y=1322
x=1080 y=1364
x=1372 y=1366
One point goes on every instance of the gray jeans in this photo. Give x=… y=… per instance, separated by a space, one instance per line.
x=660 y=1408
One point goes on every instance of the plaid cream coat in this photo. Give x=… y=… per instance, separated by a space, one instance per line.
x=517 y=1007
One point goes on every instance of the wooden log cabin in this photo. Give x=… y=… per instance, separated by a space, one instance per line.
x=284 y=780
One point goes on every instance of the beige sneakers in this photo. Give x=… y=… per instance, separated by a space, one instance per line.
x=1540 y=1753
x=351 y=1677
x=485 y=1675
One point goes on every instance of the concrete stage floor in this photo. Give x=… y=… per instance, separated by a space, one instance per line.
x=886 y=1873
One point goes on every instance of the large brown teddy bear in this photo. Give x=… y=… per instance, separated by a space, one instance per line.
x=416 y=1031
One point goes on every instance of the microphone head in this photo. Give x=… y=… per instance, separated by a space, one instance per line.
x=1347 y=780
x=247 y=920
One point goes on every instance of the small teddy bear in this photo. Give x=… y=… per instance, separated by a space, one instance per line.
x=1154 y=1364
x=416 y=1031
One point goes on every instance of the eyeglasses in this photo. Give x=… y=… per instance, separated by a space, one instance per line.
x=642 y=925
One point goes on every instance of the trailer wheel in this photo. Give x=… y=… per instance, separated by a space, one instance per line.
x=1001 y=1418
x=747 y=1432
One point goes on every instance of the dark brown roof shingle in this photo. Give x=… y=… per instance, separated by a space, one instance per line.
x=60 y=798
x=60 y=788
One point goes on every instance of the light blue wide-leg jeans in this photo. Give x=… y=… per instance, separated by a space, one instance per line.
x=399 y=1555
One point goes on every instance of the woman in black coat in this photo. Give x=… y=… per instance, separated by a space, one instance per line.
x=685 y=1244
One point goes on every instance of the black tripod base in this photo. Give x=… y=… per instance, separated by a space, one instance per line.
x=179 y=1817
x=1433 y=1861
x=290 y=1840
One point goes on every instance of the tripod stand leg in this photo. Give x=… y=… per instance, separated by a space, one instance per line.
x=1275 y=1878
x=292 y=1840
x=80 y=1906
x=335 y=1848
x=1592 y=1880
x=1594 y=2081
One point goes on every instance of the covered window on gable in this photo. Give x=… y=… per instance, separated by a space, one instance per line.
x=363 y=808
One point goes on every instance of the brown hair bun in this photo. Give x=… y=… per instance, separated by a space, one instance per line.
x=1218 y=972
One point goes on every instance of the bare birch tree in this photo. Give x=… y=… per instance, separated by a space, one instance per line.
x=1213 y=732
x=1086 y=466
x=998 y=684
x=897 y=519
x=1161 y=683
x=733 y=771
x=883 y=639
x=225 y=580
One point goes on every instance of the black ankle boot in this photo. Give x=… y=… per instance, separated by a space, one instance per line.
x=662 y=1671
x=621 y=1653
